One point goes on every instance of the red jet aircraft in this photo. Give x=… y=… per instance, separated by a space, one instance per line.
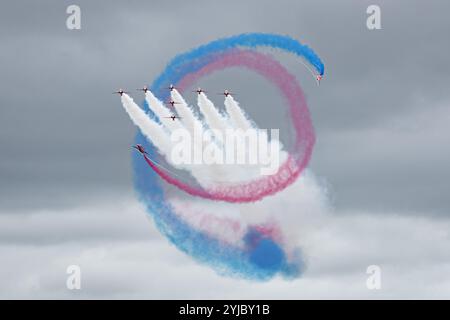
x=199 y=90
x=140 y=148
x=121 y=92
x=173 y=118
x=171 y=102
x=145 y=89
x=319 y=77
x=227 y=93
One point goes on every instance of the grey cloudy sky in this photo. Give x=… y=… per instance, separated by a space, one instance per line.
x=381 y=118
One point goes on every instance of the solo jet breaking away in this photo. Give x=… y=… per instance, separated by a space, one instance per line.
x=140 y=148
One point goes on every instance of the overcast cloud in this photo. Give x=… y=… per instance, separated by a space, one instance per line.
x=381 y=118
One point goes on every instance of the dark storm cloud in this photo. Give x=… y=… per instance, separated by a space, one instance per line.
x=65 y=137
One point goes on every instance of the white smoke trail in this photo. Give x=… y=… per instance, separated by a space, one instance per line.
x=161 y=112
x=153 y=131
x=237 y=116
x=203 y=174
x=212 y=116
x=214 y=120
x=186 y=113
x=215 y=172
x=240 y=120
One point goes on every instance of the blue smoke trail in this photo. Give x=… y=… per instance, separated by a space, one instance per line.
x=203 y=55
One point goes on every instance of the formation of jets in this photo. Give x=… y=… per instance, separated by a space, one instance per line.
x=199 y=90
x=226 y=93
x=172 y=103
